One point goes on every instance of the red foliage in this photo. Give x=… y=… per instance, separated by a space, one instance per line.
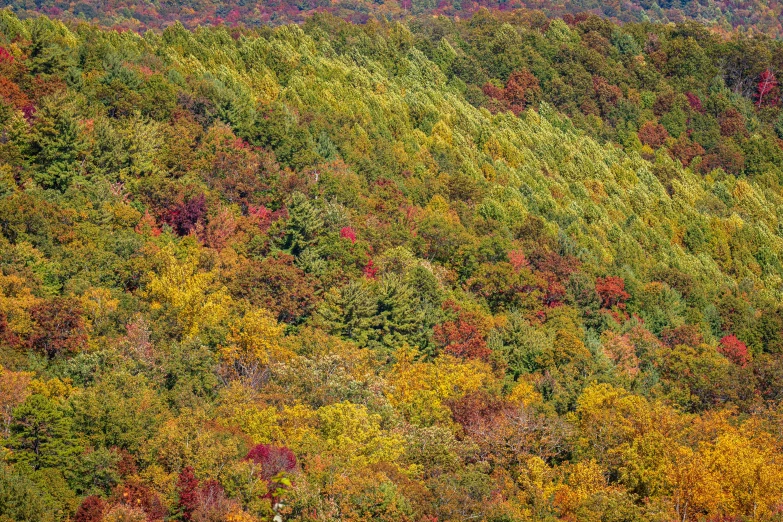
x=607 y=94
x=555 y=293
x=685 y=150
x=476 y=409
x=767 y=92
x=211 y=500
x=126 y=466
x=272 y=459
x=521 y=90
x=560 y=267
x=278 y=285
x=91 y=509
x=732 y=123
x=611 y=289
x=184 y=217
x=729 y=157
x=348 y=233
x=137 y=495
x=187 y=493
x=370 y=270
x=148 y=225
x=12 y=94
x=686 y=334
x=694 y=101
x=59 y=326
x=263 y=217
x=462 y=338
x=734 y=350
x=653 y=134
x=518 y=260
x=5 y=56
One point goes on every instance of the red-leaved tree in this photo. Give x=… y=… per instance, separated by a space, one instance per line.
x=187 y=492
x=462 y=338
x=612 y=292
x=91 y=509
x=767 y=92
x=734 y=350
x=59 y=326
x=272 y=459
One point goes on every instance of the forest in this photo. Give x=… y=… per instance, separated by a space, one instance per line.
x=507 y=266
x=751 y=16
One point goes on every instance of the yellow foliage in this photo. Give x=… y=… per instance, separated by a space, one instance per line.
x=696 y=487
x=538 y=480
x=14 y=389
x=525 y=394
x=298 y=424
x=191 y=439
x=16 y=299
x=240 y=516
x=353 y=433
x=420 y=388
x=189 y=293
x=255 y=341
x=610 y=416
x=750 y=471
x=53 y=388
x=586 y=478
x=98 y=303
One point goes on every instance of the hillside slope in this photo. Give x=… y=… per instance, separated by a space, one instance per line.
x=323 y=267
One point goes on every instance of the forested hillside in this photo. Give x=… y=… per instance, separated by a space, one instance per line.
x=500 y=268
x=754 y=16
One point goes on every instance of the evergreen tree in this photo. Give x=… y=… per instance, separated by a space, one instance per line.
x=350 y=312
x=54 y=146
x=303 y=225
x=398 y=317
x=41 y=435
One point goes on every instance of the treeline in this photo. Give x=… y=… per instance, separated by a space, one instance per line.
x=503 y=268
x=753 y=16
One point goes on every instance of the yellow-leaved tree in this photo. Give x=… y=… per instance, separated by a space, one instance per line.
x=253 y=343
x=188 y=294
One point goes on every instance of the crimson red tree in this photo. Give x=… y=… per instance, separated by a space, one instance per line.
x=653 y=134
x=187 y=491
x=767 y=92
x=272 y=459
x=462 y=338
x=734 y=350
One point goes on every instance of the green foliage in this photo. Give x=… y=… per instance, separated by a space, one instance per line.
x=41 y=435
x=500 y=267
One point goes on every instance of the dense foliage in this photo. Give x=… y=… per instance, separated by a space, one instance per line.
x=501 y=268
x=755 y=16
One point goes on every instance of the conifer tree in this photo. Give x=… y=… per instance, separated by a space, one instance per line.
x=54 y=146
x=41 y=435
x=398 y=318
x=303 y=226
x=350 y=312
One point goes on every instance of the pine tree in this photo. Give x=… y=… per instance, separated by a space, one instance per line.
x=398 y=318
x=303 y=225
x=41 y=435
x=350 y=312
x=54 y=146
